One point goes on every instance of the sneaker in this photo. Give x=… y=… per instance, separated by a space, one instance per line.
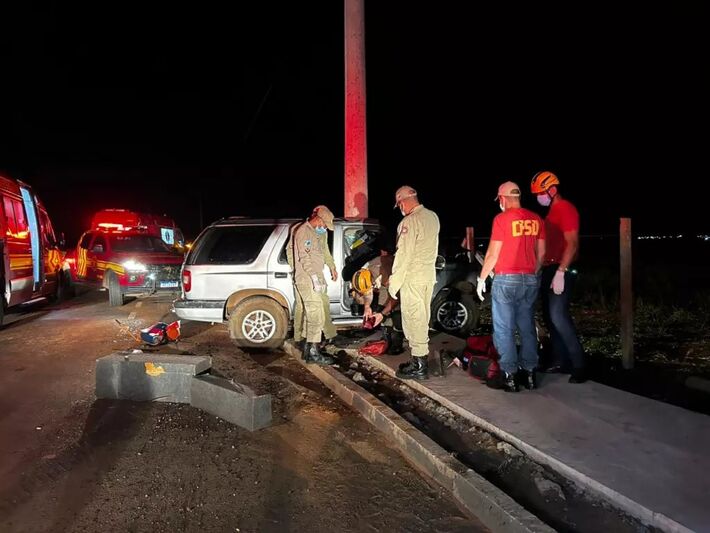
x=509 y=383
x=530 y=379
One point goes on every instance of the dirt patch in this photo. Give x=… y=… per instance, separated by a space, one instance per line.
x=157 y=467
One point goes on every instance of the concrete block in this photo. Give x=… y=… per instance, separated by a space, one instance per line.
x=147 y=377
x=231 y=401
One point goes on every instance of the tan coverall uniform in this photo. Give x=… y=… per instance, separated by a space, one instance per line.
x=328 y=327
x=414 y=275
x=308 y=264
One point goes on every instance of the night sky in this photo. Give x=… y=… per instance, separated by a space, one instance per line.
x=154 y=108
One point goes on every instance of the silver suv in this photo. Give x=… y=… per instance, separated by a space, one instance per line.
x=237 y=272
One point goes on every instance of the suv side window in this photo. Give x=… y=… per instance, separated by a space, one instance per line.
x=235 y=245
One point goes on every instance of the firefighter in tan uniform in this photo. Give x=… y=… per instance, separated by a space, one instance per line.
x=413 y=277
x=328 y=327
x=309 y=260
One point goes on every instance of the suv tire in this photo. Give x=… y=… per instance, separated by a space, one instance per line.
x=455 y=312
x=115 y=296
x=258 y=322
x=65 y=287
x=2 y=300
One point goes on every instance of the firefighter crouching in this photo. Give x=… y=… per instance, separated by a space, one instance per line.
x=370 y=290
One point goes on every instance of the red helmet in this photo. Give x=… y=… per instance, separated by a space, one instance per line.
x=542 y=181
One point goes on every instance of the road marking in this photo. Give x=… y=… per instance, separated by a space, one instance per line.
x=132 y=315
x=138 y=304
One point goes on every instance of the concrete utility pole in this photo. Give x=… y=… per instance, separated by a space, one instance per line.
x=356 y=200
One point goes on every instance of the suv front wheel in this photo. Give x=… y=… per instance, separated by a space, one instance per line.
x=258 y=322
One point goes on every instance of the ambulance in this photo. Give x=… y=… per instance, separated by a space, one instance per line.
x=30 y=259
x=128 y=253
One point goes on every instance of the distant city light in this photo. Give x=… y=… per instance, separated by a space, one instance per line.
x=659 y=237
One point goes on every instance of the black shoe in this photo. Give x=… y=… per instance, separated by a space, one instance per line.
x=578 y=376
x=509 y=383
x=416 y=368
x=395 y=340
x=312 y=354
x=530 y=381
x=556 y=369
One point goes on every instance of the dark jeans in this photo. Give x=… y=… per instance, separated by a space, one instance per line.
x=514 y=297
x=566 y=348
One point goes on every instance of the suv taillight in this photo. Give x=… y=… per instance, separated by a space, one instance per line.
x=186 y=280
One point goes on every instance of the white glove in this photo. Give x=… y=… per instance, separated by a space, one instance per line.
x=317 y=285
x=558 y=282
x=480 y=287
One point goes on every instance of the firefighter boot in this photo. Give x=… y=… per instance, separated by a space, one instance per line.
x=301 y=345
x=394 y=340
x=312 y=354
x=417 y=368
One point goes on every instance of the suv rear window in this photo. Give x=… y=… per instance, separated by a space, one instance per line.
x=234 y=245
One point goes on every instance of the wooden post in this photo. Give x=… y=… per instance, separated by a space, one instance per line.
x=470 y=244
x=626 y=293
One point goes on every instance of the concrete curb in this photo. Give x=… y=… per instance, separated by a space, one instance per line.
x=493 y=507
x=614 y=498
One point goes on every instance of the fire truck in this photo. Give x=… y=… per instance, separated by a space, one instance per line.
x=128 y=253
x=30 y=259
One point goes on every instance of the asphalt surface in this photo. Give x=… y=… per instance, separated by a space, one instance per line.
x=71 y=463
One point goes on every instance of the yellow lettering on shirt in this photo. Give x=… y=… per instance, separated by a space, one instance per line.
x=525 y=227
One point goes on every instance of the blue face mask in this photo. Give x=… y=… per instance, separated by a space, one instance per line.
x=320 y=230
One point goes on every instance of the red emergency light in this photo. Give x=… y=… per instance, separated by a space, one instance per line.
x=118 y=220
x=125 y=220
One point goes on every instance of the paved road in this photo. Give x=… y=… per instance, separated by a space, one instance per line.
x=70 y=463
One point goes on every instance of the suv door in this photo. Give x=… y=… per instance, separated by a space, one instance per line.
x=280 y=277
x=346 y=239
x=98 y=254
x=82 y=256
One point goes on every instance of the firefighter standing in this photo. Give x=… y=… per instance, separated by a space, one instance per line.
x=562 y=226
x=413 y=277
x=309 y=260
x=516 y=251
x=328 y=327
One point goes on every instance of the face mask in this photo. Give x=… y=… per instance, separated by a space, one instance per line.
x=320 y=230
x=544 y=200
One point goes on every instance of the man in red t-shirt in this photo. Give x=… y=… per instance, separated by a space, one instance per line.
x=562 y=226
x=516 y=251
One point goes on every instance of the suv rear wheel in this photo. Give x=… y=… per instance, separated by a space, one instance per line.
x=258 y=322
